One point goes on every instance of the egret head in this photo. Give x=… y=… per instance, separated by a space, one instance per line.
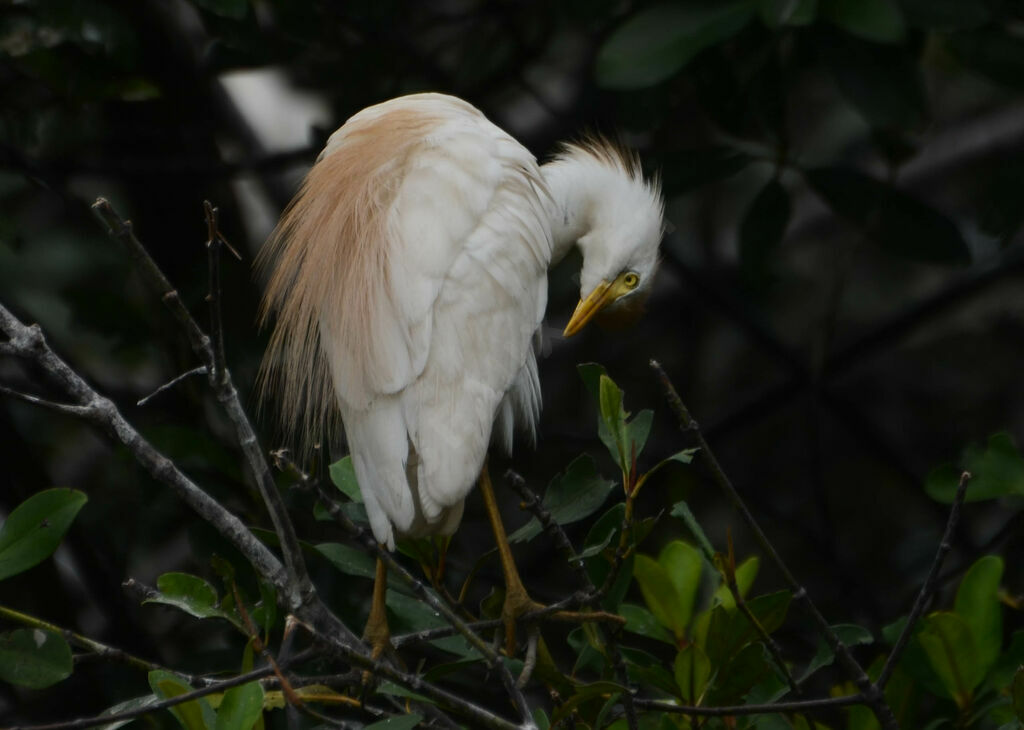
x=620 y=242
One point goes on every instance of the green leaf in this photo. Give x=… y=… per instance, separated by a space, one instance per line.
x=348 y=560
x=398 y=722
x=191 y=594
x=682 y=510
x=745 y=574
x=192 y=715
x=658 y=41
x=34 y=658
x=849 y=634
x=343 y=476
x=900 y=224
x=571 y=496
x=621 y=437
x=241 y=707
x=615 y=420
x=682 y=564
x=659 y=594
x=641 y=621
x=884 y=83
x=730 y=630
x=997 y=470
x=599 y=566
x=977 y=603
x=541 y=719
x=947 y=641
x=762 y=228
x=874 y=20
x=35 y=528
x=778 y=13
x=742 y=671
x=692 y=672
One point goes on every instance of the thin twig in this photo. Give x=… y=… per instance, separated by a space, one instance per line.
x=98 y=648
x=762 y=709
x=213 y=297
x=219 y=686
x=65 y=408
x=418 y=587
x=872 y=695
x=201 y=370
x=924 y=596
x=299 y=588
x=561 y=539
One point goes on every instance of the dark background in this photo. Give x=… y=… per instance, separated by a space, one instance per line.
x=839 y=301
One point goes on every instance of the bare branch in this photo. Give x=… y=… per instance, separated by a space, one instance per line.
x=201 y=370
x=928 y=587
x=66 y=408
x=764 y=709
x=299 y=587
x=420 y=589
x=872 y=694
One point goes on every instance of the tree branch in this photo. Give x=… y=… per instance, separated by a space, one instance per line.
x=299 y=587
x=928 y=587
x=872 y=694
x=764 y=709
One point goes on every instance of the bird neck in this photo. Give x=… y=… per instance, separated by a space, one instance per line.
x=571 y=207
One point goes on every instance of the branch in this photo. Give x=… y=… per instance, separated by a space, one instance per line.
x=65 y=408
x=492 y=658
x=212 y=688
x=765 y=709
x=299 y=587
x=928 y=587
x=872 y=695
x=201 y=370
x=104 y=651
x=558 y=535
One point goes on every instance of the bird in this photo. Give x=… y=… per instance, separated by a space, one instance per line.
x=408 y=279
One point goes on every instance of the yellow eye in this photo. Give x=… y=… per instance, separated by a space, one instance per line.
x=631 y=280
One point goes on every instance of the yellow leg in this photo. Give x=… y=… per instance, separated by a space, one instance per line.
x=377 y=632
x=517 y=601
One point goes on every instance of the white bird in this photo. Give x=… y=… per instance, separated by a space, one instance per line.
x=409 y=280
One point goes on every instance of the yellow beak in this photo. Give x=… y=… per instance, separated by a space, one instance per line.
x=604 y=294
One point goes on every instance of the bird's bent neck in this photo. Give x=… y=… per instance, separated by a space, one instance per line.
x=573 y=200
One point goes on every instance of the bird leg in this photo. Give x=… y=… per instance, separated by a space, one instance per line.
x=517 y=600
x=377 y=633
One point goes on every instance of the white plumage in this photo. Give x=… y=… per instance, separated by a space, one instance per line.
x=409 y=277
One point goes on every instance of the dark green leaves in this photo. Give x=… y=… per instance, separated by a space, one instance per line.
x=343 y=476
x=191 y=594
x=669 y=584
x=657 y=42
x=572 y=495
x=977 y=601
x=997 y=470
x=849 y=634
x=240 y=707
x=195 y=714
x=34 y=658
x=900 y=224
x=34 y=529
x=623 y=438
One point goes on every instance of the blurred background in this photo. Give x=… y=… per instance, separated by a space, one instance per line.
x=839 y=301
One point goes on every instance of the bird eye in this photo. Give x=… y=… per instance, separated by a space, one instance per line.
x=631 y=280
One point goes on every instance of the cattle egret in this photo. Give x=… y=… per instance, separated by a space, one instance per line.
x=409 y=279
